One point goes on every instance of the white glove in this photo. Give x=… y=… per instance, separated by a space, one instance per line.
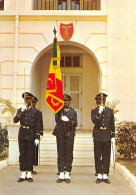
x=36 y=141
x=65 y=118
x=23 y=108
x=113 y=140
x=101 y=108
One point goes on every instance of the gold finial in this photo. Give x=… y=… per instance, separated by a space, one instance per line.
x=54 y=31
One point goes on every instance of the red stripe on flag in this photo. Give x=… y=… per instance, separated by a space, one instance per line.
x=54 y=104
x=51 y=81
x=59 y=92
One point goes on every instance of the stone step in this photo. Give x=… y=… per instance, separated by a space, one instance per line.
x=76 y=137
x=76 y=154
x=76 y=161
x=83 y=149
x=77 y=140
x=79 y=133
x=76 y=147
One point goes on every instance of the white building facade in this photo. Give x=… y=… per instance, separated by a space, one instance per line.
x=98 y=57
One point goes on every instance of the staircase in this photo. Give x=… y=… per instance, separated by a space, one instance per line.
x=83 y=149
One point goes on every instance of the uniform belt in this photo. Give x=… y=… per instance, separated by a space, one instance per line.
x=25 y=127
x=104 y=128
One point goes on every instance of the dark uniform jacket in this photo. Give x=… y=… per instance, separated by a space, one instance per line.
x=41 y=122
x=63 y=128
x=30 y=124
x=104 y=128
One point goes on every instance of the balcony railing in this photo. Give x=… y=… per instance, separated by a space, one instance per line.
x=67 y=5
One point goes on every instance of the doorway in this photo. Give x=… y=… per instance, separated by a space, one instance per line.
x=72 y=86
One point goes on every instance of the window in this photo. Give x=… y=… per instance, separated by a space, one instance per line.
x=62 y=4
x=66 y=4
x=91 y=4
x=76 y=61
x=72 y=60
x=68 y=61
x=44 y=5
x=75 y=4
x=1 y=4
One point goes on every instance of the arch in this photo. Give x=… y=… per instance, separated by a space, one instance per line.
x=89 y=81
x=66 y=43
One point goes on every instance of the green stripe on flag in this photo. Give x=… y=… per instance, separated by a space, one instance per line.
x=54 y=52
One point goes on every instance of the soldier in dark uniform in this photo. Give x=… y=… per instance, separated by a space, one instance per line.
x=66 y=122
x=36 y=147
x=28 y=135
x=103 y=134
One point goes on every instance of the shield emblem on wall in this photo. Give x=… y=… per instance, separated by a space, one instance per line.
x=66 y=31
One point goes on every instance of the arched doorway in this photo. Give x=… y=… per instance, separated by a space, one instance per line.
x=81 y=75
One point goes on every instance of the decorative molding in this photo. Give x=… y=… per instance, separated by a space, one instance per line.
x=105 y=76
x=103 y=62
x=35 y=34
x=7 y=47
x=25 y=61
x=99 y=49
x=88 y=38
x=29 y=48
x=6 y=61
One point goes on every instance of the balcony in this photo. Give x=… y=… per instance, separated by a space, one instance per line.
x=67 y=5
x=55 y=9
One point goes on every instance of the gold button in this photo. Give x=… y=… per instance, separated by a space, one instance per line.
x=103 y=119
x=103 y=124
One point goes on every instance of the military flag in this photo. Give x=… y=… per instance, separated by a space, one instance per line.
x=54 y=90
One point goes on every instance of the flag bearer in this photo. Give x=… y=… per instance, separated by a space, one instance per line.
x=66 y=122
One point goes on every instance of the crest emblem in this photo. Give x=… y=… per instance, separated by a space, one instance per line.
x=66 y=31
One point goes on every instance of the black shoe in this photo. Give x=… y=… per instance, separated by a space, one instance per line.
x=107 y=181
x=67 y=180
x=98 y=180
x=29 y=179
x=20 y=179
x=59 y=180
x=34 y=172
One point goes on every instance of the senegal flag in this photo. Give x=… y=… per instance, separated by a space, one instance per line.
x=54 y=90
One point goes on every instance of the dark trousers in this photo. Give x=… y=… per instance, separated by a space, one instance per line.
x=102 y=152
x=26 y=158
x=65 y=153
x=36 y=155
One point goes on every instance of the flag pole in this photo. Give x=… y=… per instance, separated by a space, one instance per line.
x=102 y=99
x=54 y=31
